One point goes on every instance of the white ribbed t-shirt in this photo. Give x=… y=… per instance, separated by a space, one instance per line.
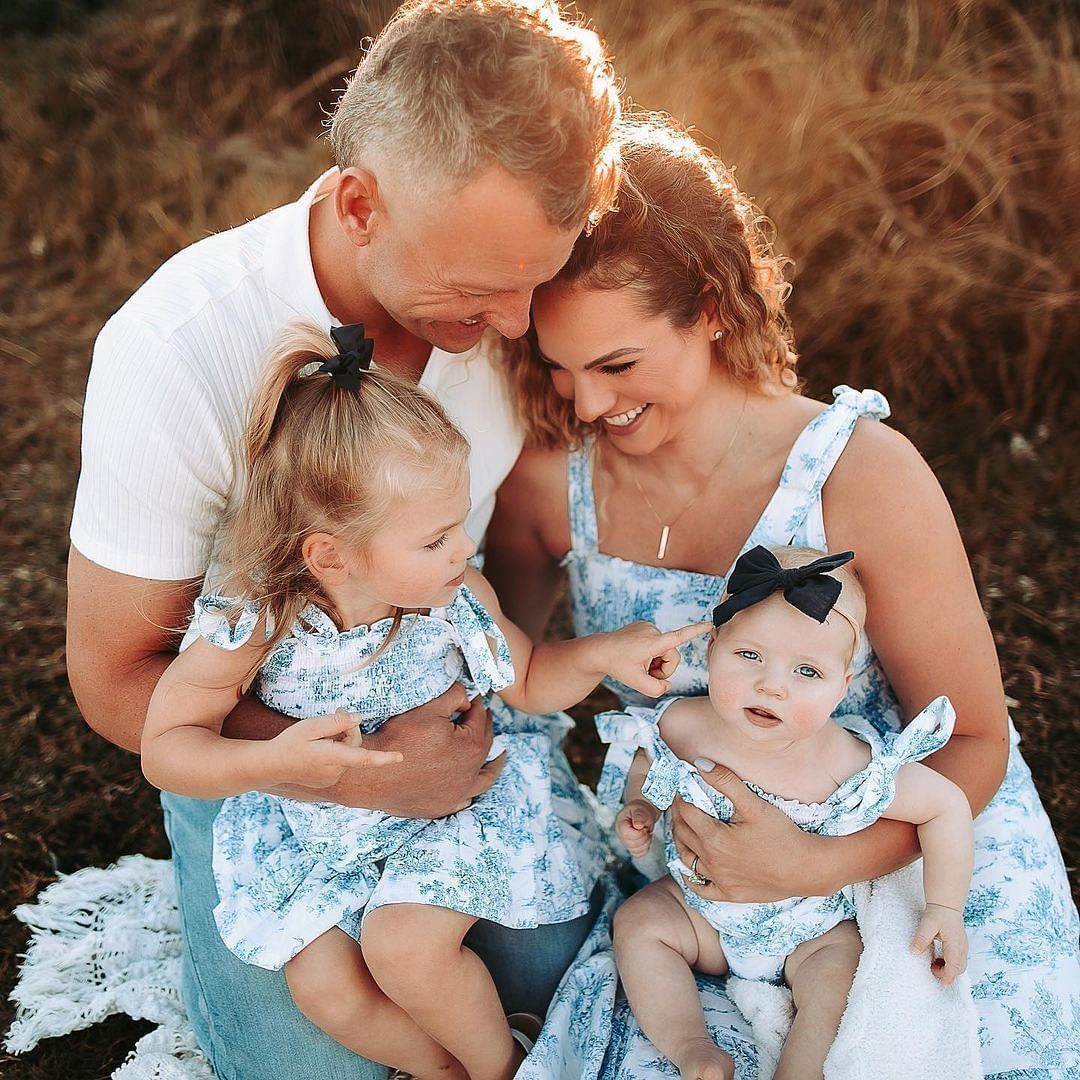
x=170 y=381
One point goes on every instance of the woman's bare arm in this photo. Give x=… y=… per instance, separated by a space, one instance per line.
x=528 y=535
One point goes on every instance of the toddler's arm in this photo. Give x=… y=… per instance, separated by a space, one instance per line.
x=558 y=674
x=184 y=751
x=942 y=814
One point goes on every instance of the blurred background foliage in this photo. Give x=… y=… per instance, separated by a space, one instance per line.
x=920 y=161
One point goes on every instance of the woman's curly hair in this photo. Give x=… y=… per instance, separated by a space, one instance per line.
x=682 y=237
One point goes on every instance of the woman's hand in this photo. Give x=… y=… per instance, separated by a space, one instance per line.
x=945 y=924
x=641 y=656
x=634 y=826
x=760 y=855
x=316 y=752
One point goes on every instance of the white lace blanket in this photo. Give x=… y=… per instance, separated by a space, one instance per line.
x=104 y=942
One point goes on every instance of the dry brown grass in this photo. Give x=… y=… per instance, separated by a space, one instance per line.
x=919 y=159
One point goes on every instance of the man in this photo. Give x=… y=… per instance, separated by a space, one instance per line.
x=472 y=146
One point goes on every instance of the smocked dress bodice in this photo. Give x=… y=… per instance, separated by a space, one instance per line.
x=607 y=592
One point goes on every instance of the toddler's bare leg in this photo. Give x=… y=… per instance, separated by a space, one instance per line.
x=333 y=988
x=820 y=973
x=659 y=942
x=416 y=955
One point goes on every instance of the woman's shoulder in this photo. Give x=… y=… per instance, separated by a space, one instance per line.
x=539 y=471
x=533 y=498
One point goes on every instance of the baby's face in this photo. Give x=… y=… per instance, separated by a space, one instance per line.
x=777 y=674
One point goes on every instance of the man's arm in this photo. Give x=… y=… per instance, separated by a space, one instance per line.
x=122 y=632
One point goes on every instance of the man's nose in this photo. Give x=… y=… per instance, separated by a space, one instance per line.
x=509 y=314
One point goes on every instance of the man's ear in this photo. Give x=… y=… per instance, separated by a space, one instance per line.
x=323 y=559
x=358 y=205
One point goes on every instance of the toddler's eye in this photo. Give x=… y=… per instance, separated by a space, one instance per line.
x=748 y=654
x=807 y=672
x=436 y=543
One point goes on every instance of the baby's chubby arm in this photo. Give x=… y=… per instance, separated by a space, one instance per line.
x=184 y=751
x=557 y=674
x=942 y=814
x=636 y=820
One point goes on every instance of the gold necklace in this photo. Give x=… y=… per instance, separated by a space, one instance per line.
x=666 y=527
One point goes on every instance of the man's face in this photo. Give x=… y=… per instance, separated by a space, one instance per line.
x=447 y=266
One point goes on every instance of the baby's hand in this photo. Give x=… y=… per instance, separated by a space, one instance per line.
x=316 y=752
x=642 y=657
x=634 y=826
x=947 y=925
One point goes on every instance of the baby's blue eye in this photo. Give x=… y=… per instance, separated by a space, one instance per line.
x=748 y=654
x=807 y=672
x=436 y=543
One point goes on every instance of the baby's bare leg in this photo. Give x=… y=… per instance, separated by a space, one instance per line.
x=820 y=973
x=416 y=955
x=659 y=943
x=333 y=988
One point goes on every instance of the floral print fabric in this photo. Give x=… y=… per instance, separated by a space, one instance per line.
x=758 y=938
x=525 y=853
x=1022 y=923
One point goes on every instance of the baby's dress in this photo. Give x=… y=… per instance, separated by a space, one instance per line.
x=758 y=938
x=288 y=871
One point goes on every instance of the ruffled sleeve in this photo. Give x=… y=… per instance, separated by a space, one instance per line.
x=212 y=621
x=638 y=728
x=491 y=671
x=864 y=797
x=867 y=403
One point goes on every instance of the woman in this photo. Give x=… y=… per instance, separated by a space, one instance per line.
x=661 y=393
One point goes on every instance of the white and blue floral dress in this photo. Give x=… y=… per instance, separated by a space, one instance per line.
x=1021 y=920
x=758 y=938
x=525 y=853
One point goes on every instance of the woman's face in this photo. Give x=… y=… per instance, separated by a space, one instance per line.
x=639 y=377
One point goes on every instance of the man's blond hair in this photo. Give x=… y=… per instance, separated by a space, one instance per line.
x=450 y=87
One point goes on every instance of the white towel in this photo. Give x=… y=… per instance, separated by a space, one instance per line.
x=900 y=1022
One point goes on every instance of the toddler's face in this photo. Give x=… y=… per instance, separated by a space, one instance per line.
x=777 y=674
x=417 y=560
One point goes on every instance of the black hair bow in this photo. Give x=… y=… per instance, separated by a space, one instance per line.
x=758 y=574
x=353 y=355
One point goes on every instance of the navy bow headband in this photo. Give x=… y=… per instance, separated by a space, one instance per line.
x=353 y=356
x=758 y=574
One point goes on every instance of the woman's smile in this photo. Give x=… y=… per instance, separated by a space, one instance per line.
x=624 y=421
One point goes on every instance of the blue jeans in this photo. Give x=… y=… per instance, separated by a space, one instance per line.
x=244 y=1017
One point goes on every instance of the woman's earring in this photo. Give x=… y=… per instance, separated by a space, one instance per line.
x=717 y=335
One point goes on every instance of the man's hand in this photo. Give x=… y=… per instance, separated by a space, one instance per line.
x=443 y=767
x=760 y=855
x=634 y=826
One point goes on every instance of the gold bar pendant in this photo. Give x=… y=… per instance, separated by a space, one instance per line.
x=662 y=550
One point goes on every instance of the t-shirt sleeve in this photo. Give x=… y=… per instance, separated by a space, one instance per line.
x=156 y=465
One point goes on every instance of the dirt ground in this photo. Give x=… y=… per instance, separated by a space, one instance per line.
x=920 y=164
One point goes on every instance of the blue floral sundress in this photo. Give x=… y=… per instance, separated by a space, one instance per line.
x=758 y=938
x=525 y=853
x=1021 y=920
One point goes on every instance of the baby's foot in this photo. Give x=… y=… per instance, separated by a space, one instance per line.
x=702 y=1059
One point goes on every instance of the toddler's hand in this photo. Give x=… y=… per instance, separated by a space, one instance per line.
x=643 y=658
x=634 y=826
x=947 y=925
x=316 y=752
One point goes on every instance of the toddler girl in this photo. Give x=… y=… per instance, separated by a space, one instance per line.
x=779 y=662
x=349 y=591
